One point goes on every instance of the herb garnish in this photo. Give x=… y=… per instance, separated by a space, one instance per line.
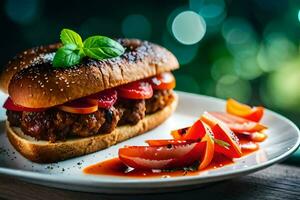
x=221 y=143
x=73 y=49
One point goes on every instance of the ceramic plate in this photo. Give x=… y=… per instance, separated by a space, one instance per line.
x=283 y=140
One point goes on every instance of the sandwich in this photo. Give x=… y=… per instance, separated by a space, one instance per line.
x=56 y=113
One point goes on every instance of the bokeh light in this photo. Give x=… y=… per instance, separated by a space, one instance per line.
x=136 y=26
x=196 y=5
x=276 y=50
x=184 y=53
x=222 y=66
x=240 y=37
x=188 y=27
x=213 y=12
x=24 y=13
x=281 y=89
x=247 y=68
x=230 y=86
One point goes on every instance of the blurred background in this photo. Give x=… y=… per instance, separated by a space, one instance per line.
x=248 y=50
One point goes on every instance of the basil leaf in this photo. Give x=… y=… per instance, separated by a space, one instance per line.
x=101 y=47
x=66 y=56
x=221 y=142
x=68 y=36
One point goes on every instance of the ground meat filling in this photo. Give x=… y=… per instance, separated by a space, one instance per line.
x=54 y=124
x=14 y=117
x=159 y=100
x=132 y=111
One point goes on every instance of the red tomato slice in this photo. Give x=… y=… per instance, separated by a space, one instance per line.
x=199 y=131
x=255 y=136
x=247 y=146
x=243 y=110
x=236 y=124
x=210 y=148
x=195 y=132
x=136 y=90
x=105 y=99
x=166 y=142
x=79 y=106
x=164 y=157
x=179 y=133
x=163 y=81
x=222 y=132
x=10 y=105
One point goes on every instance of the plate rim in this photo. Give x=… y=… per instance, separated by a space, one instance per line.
x=93 y=180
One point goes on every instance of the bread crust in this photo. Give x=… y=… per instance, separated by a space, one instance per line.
x=46 y=152
x=24 y=60
x=42 y=86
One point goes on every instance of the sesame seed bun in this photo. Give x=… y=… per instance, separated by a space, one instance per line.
x=33 y=82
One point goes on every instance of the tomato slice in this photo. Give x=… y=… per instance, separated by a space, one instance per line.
x=162 y=157
x=210 y=148
x=247 y=146
x=179 y=133
x=166 y=142
x=104 y=99
x=79 y=106
x=222 y=132
x=195 y=132
x=10 y=105
x=163 y=81
x=242 y=110
x=235 y=123
x=136 y=90
x=255 y=136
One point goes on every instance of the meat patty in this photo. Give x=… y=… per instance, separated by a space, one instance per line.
x=159 y=100
x=132 y=111
x=14 y=117
x=54 y=124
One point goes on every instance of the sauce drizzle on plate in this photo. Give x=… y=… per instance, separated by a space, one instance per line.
x=114 y=167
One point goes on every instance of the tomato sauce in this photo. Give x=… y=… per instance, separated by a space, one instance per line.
x=115 y=167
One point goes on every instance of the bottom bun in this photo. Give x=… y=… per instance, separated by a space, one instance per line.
x=45 y=152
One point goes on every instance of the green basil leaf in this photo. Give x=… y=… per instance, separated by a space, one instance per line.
x=68 y=36
x=67 y=56
x=101 y=47
x=221 y=142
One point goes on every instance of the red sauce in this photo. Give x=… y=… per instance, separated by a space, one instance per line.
x=114 y=167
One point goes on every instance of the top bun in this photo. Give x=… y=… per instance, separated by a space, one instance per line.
x=33 y=82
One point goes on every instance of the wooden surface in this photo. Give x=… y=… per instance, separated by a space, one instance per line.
x=276 y=182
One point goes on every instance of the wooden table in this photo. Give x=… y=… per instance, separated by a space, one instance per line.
x=277 y=182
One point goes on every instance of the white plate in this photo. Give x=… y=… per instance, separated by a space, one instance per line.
x=283 y=140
